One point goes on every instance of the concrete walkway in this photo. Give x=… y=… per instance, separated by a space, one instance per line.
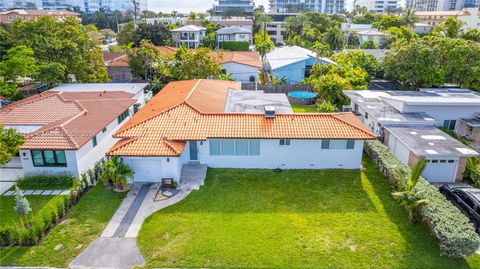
x=107 y=252
x=39 y=192
x=117 y=248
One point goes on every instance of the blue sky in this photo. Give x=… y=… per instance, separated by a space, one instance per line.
x=185 y=6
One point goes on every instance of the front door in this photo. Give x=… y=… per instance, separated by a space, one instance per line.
x=193 y=151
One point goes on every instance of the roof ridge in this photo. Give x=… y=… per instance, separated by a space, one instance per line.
x=192 y=90
x=167 y=142
x=348 y=123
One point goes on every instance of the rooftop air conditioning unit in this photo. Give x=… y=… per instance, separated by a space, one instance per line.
x=269 y=112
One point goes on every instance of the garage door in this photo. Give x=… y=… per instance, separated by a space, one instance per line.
x=440 y=170
x=147 y=170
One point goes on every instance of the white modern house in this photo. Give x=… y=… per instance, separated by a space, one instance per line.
x=371 y=34
x=69 y=128
x=191 y=122
x=190 y=35
x=408 y=121
x=233 y=34
x=243 y=66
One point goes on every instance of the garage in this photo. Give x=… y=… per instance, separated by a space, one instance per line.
x=440 y=170
x=147 y=170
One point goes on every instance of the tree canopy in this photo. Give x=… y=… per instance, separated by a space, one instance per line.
x=10 y=142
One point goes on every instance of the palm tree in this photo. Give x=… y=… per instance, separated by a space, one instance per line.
x=262 y=20
x=409 y=18
x=115 y=171
x=408 y=197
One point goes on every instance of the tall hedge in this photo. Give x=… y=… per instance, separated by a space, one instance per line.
x=453 y=231
x=236 y=45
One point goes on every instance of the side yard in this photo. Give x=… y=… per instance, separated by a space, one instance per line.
x=71 y=236
x=307 y=218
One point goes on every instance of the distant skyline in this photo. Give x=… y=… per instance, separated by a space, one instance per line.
x=185 y=6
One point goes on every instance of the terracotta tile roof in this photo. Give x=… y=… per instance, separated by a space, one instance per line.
x=68 y=120
x=166 y=49
x=115 y=59
x=110 y=56
x=120 y=62
x=251 y=58
x=168 y=118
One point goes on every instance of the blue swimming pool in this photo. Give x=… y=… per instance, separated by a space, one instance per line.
x=302 y=98
x=302 y=94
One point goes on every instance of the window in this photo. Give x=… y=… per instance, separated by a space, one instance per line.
x=338 y=144
x=252 y=79
x=443 y=161
x=451 y=161
x=49 y=158
x=434 y=161
x=234 y=147
x=284 y=142
x=104 y=130
x=325 y=144
x=94 y=141
x=123 y=116
x=366 y=115
x=350 y=144
x=449 y=124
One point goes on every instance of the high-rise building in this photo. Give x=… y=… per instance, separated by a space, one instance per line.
x=296 y=6
x=234 y=7
x=380 y=6
x=88 y=6
x=441 y=5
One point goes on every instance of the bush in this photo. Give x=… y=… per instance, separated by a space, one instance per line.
x=41 y=181
x=453 y=231
x=45 y=218
x=236 y=45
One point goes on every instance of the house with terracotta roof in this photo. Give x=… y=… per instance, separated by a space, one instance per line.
x=243 y=66
x=7 y=17
x=194 y=121
x=117 y=65
x=69 y=128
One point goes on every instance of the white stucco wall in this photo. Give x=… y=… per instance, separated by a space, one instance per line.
x=300 y=154
x=441 y=113
x=240 y=72
x=398 y=148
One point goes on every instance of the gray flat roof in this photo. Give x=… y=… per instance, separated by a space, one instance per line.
x=387 y=114
x=255 y=102
x=429 y=141
x=132 y=88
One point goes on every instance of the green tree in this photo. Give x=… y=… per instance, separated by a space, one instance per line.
x=409 y=17
x=334 y=38
x=263 y=44
x=369 y=44
x=192 y=16
x=22 y=206
x=388 y=21
x=451 y=27
x=367 y=18
x=210 y=40
x=414 y=65
x=127 y=34
x=10 y=142
x=399 y=34
x=359 y=59
x=66 y=42
x=472 y=34
x=321 y=50
x=196 y=64
x=408 y=197
x=329 y=87
x=117 y=172
x=156 y=33
x=324 y=106
x=50 y=72
x=19 y=63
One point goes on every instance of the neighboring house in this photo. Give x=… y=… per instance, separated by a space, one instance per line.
x=469 y=129
x=117 y=66
x=227 y=22
x=167 y=20
x=243 y=66
x=422 y=28
x=191 y=36
x=234 y=34
x=446 y=156
x=276 y=30
x=371 y=34
x=3 y=102
x=407 y=122
x=190 y=122
x=69 y=128
x=293 y=63
x=469 y=16
x=9 y=16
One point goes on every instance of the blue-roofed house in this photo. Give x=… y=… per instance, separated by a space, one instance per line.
x=292 y=63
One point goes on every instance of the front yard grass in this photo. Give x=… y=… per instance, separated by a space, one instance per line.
x=296 y=218
x=79 y=228
x=7 y=207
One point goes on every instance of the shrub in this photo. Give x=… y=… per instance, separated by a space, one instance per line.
x=41 y=181
x=453 y=231
x=45 y=218
x=236 y=45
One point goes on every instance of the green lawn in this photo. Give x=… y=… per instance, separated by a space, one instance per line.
x=303 y=109
x=297 y=218
x=83 y=224
x=7 y=204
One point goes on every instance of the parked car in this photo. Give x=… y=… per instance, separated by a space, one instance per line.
x=465 y=197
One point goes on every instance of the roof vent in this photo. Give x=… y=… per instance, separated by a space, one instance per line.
x=85 y=113
x=269 y=112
